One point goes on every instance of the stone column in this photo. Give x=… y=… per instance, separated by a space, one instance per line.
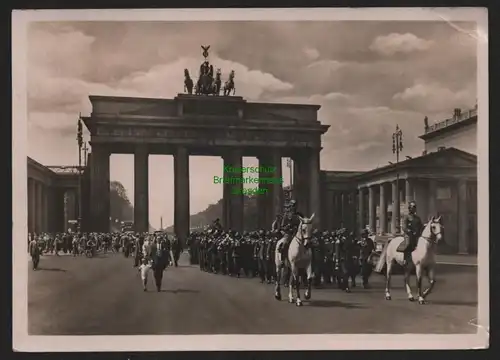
x=408 y=191
x=314 y=187
x=361 y=209
x=141 y=189
x=432 y=197
x=86 y=221
x=226 y=196
x=31 y=205
x=463 y=213
x=45 y=208
x=226 y=193
x=338 y=210
x=99 y=188
x=346 y=216
x=264 y=201
x=353 y=199
x=301 y=183
x=235 y=205
x=395 y=221
x=39 y=208
x=329 y=215
x=59 y=206
x=277 y=185
x=383 y=210
x=296 y=180
x=69 y=207
x=51 y=210
x=372 y=209
x=181 y=193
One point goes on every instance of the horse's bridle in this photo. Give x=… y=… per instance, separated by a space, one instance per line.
x=302 y=238
x=431 y=239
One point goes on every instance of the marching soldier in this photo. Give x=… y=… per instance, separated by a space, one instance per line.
x=412 y=229
x=217 y=225
x=277 y=222
x=366 y=249
x=34 y=250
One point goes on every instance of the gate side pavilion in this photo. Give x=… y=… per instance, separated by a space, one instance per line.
x=443 y=180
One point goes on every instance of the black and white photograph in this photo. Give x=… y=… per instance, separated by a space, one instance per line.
x=223 y=175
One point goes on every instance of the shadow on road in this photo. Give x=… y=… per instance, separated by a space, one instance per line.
x=333 y=303
x=453 y=302
x=51 y=269
x=181 y=291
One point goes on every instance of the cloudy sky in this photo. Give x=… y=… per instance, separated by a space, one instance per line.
x=367 y=76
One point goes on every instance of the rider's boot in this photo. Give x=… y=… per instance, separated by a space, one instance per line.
x=407 y=259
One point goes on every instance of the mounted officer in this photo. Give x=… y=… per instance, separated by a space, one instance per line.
x=289 y=226
x=412 y=229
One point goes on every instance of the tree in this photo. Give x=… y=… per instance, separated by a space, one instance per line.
x=120 y=206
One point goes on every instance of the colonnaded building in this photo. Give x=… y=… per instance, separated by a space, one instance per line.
x=442 y=180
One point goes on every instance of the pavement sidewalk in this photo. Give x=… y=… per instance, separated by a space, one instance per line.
x=465 y=260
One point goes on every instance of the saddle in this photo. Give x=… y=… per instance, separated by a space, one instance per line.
x=405 y=245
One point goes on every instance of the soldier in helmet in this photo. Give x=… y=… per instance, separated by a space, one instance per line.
x=277 y=222
x=216 y=225
x=366 y=248
x=412 y=228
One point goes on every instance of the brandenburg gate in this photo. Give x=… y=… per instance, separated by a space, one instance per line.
x=225 y=126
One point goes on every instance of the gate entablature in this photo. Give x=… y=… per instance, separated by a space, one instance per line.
x=203 y=121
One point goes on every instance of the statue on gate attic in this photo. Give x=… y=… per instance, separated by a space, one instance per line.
x=209 y=81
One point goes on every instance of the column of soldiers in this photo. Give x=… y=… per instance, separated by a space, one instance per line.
x=338 y=256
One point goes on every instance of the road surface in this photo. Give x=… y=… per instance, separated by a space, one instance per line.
x=103 y=296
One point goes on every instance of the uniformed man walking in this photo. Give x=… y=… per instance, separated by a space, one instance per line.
x=34 y=250
x=412 y=228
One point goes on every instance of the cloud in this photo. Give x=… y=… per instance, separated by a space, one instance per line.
x=326 y=66
x=62 y=52
x=311 y=53
x=434 y=97
x=318 y=99
x=399 y=43
x=168 y=80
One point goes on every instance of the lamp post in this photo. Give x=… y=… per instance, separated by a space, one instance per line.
x=397 y=147
x=79 y=138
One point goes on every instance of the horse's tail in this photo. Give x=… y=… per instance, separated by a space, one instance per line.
x=382 y=260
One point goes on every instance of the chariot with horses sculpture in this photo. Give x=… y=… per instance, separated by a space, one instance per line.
x=209 y=82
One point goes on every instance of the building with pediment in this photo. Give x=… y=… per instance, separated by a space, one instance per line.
x=443 y=181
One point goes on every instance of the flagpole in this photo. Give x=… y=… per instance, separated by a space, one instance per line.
x=79 y=139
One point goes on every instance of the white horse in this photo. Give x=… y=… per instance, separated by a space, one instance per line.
x=423 y=257
x=299 y=258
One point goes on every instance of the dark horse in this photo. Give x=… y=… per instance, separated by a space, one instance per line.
x=160 y=253
x=346 y=261
x=217 y=83
x=229 y=85
x=176 y=248
x=188 y=82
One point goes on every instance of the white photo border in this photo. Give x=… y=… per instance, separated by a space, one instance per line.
x=24 y=342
